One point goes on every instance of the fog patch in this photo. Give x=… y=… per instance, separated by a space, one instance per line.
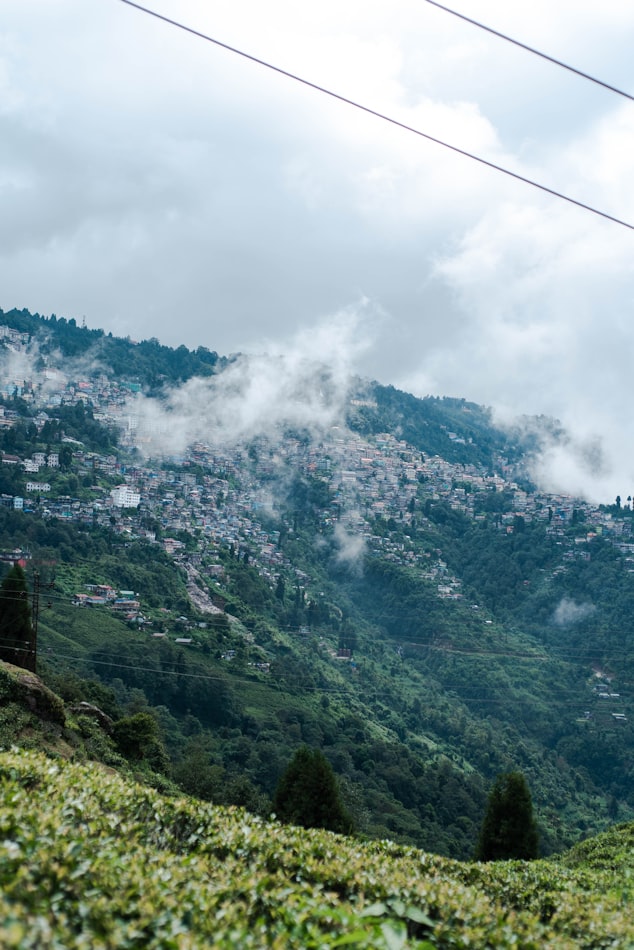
x=351 y=548
x=302 y=385
x=568 y=612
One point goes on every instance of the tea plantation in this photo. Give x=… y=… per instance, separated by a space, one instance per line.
x=91 y=860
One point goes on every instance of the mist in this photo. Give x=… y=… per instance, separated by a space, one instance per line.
x=568 y=612
x=302 y=385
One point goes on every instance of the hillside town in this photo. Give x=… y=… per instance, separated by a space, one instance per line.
x=232 y=496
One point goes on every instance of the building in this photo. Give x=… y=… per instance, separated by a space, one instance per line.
x=125 y=497
x=38 y=486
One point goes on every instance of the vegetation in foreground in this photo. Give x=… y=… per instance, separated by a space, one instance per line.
x=88 y=859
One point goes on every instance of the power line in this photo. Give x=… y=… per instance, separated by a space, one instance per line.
x=540 y=652
x=381 y=115
x=366 y=693
x=531 y=49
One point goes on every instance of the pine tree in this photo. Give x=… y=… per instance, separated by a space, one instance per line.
x=16 y=632
x=307 y=794
x=509 y=829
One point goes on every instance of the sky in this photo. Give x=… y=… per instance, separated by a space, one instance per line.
x=157 y=185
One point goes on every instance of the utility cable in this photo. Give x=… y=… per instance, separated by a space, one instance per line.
x=530 y=49
x=381 y=115
x=367 y=692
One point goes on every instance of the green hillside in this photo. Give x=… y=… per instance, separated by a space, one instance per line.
x=147 y=361
x=454 y=429
x=90 y=860
x=435 y=703
x=384 y=593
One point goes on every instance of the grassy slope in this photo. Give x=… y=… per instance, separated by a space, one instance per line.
x=90 y=860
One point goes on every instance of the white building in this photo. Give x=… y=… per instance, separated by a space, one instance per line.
x=38 y=486
x=125 y=497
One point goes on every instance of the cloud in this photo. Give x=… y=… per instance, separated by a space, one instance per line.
x=183 y=193
x=545 y=308
x=568 y=613
x=16 y=366
x=351 y=548
x=302 y=385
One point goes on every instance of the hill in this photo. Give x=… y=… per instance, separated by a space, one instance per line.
x=147 y=361
x=387 y=590
x=88 y=859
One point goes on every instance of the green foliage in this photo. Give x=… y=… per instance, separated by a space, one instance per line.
x=613 y=851
x=138 y=737
x=149 y=361
x=509 y=829
x=200 y=776
x=165 y=674
x=16 y=631
x=307 y=497
x=427 y=423
x=408 y=726
x=95 y=744
x=89 y=860
x=73 y=689
x=307 y=793
x=246 y=584
x=77 y=422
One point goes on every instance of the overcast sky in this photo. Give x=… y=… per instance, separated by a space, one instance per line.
x=160 y=186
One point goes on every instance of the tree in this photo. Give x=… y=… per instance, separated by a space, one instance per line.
x=65 y=457
x=16 y=632
x=138 y=738
x=509 y=829
x=307 y=794
x=280 y=590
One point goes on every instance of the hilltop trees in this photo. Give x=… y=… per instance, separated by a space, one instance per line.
x=508 y=829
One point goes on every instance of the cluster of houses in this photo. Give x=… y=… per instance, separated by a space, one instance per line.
x=222 y=501
x=124 y=602
x=608 y=705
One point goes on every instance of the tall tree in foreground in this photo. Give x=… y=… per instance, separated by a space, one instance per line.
x=509 y=829
x=307 y=794
x=16 y=632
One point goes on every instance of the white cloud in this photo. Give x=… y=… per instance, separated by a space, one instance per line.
x=568 y=612
x=161 y=186
x=351 y=547
x=302 y=385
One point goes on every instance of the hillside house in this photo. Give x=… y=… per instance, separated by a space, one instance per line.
x=39 y=487
x=125 y=497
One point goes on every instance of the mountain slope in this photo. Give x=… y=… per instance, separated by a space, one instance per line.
x=387 y=594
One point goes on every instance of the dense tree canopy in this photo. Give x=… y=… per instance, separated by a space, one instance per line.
x=16 y=631
x=509 y=829
x=308 y=794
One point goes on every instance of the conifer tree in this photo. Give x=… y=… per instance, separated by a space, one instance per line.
x=509 y=829
x=307 y=794
x=16 y=632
